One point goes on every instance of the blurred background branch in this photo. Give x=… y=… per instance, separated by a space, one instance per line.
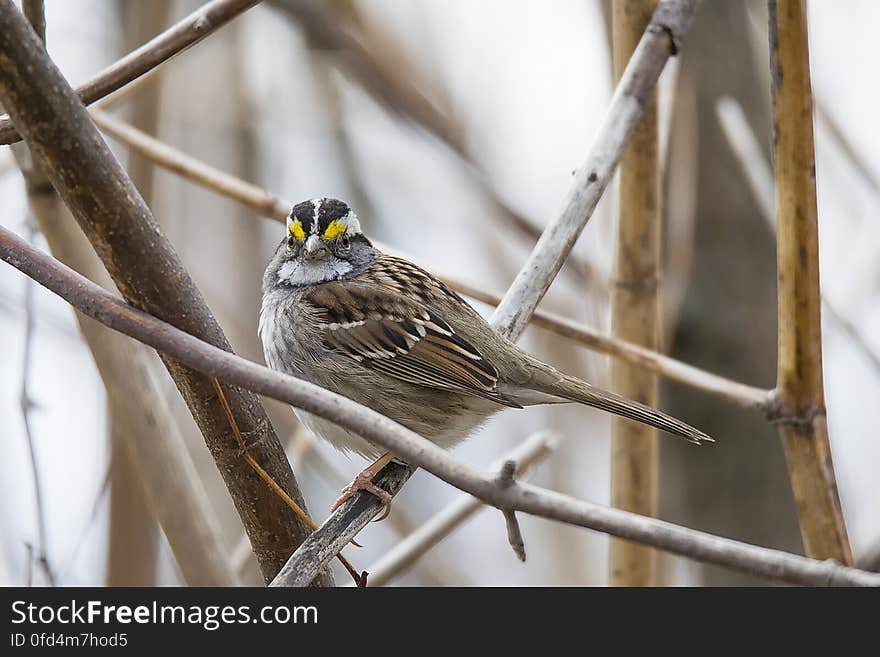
x=635 y=307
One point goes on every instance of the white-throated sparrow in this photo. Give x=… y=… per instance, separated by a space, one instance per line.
x=386 y=333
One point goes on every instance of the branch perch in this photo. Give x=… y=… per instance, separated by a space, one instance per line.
x=660 y=41
x=215 y=362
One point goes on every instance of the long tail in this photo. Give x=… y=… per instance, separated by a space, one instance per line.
x=573 y=389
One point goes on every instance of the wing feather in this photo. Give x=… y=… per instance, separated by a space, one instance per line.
x=391 y=328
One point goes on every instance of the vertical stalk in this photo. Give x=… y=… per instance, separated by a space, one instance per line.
x=635 y=308
x=799 y=392
x=140 y=22
x=133 y=549
x=133 y=545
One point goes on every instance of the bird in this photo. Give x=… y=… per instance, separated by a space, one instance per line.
x=382 y=331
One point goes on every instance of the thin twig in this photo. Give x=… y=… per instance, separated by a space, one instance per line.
x=514 y=533
x=849 y=329
x=185 y=33
x=276 y=208
x=215 y=362
x=64 y=570
x=405 y=553
x=862 y=167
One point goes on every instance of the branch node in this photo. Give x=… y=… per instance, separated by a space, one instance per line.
x=674 y=19
x=507 y=472
x=776 y=412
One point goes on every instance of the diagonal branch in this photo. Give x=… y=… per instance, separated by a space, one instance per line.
x=185 y=33
x=659 y=42
x=215 y=362
x=148 y=272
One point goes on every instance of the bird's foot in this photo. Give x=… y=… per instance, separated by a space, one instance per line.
x=364 y=481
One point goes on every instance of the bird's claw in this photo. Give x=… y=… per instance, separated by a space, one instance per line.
x=364 y=481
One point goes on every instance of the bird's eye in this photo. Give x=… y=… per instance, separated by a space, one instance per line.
x=291 y=243
x=343 y=244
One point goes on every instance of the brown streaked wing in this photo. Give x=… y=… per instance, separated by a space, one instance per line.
x=383 y=328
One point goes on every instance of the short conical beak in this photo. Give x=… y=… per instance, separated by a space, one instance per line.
x=314 y=248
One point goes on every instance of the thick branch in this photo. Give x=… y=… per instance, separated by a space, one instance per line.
x=800 y=395
x=215 y=362
x=147 y=271
x=632 y=96
x=185 y=33
x=635 y=309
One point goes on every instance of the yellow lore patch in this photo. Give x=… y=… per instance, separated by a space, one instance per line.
x=296 y=229
x=335 y=229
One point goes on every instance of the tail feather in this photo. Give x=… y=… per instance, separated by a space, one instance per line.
x=573 y=389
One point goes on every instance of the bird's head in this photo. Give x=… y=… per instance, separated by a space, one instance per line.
x=323 y=241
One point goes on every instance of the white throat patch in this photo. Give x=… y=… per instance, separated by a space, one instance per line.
x=304 y=272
